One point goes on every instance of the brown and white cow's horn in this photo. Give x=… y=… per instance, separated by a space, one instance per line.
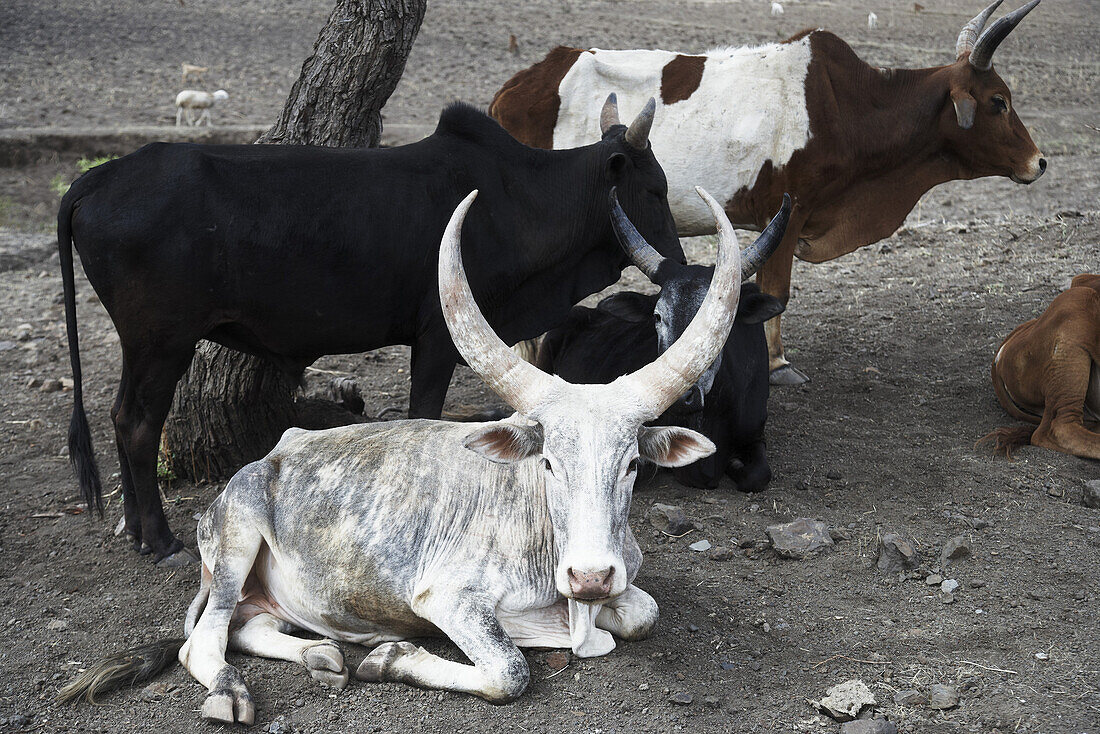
x=641 y=253
x=754 y=257
x=637 y=135
x=981 y=57
x=519 y=383
x=657 y=385
x=609 y=115
x=969 y=34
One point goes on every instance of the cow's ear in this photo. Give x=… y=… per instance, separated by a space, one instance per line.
x=505 y=442
x=673 y=446
x=965 y=106
x=628 y=306
x=755 y=308
x=616 y=164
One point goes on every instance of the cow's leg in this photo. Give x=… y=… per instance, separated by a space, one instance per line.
x=138 y=424
x=630 y=616
x=1065 y=386
x=266 y=636
x=753 y=473
x=774 y=278
x=499 y=673
x=433 y=364
x=203 y=655
x=131 y=514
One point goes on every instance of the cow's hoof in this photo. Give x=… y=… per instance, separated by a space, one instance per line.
x=326 y=664
x=229 y=702
x=184 y=557
x=375 y=666
x=787 y=375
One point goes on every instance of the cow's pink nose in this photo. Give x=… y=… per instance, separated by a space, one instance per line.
x=590 y=585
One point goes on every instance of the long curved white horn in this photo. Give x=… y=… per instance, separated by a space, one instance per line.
x=657 y=385
x=518 y=383
x=969 y=33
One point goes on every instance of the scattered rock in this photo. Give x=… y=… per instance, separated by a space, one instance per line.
x=948 y=586
x=681 y=698
x=721 y=553
x=977 y=583
x=34 y=382
x=713 y=701
x=1091 y=496
x=158 y=691
x=869 y=726
x=839 y=534
x=280 y=726
x=934 y=580
x=558 y=660
x=942 y=697
x=24 y=332
x=745 y=543
x=6 y=345
x=911 y=697
x=669 y=519
x=66 y=383
x=844 y=701
x=955 y=549
x=51 y=386
x=1042 y=656
x=800 y=538
x=896 y=553
x=55 y=625
x=700 y=545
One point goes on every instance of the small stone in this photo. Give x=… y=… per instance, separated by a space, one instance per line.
x=66 y=383
x=745 y=543
x=34 y=382
x=712 y=701
x=669 y=519
x=896 y=553
x=157 y=691
x=839 y=534
x=557 y=660
x=700 y=545
x=869 y=726
x=844 y=701
x=24 y=332
x=681 y=698
x=51 y=386
x=1091 y=496
x=942 y=697
x=934 y=580
x=721 y=553
x=7 y=345
x=800 y=538
x=910 y=697
x=833 y=474
x=977 y=584
x=1042 y=656
x=948 y=586
x=955 y=549
x=55 y=625
x=1055 y=491
x=280 y=726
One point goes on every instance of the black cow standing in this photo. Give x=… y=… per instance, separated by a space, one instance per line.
x=293 y=252
x=729 y=403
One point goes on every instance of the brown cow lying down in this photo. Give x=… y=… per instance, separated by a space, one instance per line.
x=1048 y=372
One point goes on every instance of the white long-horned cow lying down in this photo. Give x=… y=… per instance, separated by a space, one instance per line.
x=496 y=534
x=855 y=145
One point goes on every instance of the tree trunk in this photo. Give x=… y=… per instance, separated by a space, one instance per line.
x=231 y=408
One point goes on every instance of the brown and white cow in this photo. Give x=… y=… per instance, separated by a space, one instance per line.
x=1048 y=372
x=855 y=145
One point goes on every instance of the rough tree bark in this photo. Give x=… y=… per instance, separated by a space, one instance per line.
x=230 y=408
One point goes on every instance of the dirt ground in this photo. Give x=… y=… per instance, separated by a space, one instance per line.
x=897 y=338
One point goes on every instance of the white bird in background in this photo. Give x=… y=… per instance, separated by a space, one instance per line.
x=872 y=21
x=777 y=9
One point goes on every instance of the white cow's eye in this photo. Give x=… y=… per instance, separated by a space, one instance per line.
x=547 y=467
x=632 y=466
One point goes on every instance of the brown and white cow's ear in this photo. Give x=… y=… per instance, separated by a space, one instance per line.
x=965 y=107
x=673 y=446
x=505 y=442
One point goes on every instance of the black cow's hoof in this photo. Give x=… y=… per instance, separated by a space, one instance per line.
x=184 y=557
x=787 y=375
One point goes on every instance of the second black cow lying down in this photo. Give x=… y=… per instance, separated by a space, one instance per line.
x=729 y=403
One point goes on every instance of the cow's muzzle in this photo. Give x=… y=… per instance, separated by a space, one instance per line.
x=1036 y=168
x=591 y=585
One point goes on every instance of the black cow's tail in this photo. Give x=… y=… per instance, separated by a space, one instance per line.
x=81 y=453
x=129 y=667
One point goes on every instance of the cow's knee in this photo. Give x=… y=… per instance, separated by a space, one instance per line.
x=506 y=681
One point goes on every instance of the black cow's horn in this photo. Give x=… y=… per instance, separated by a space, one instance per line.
x=970 y=32
x=756 y=255
x=519 y=383
x=637 y=135
x=981 y=57
x=609 y=115
x=657 y=385
x=641 y=253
